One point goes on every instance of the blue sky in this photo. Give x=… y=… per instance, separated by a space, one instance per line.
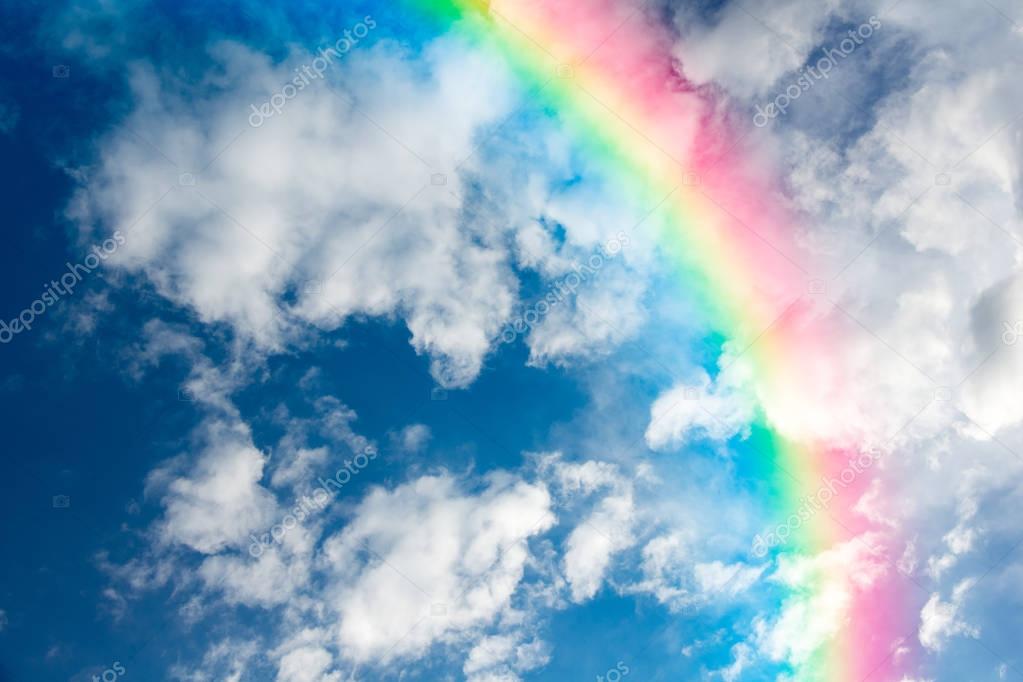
x=81 y=428
x=290 y=295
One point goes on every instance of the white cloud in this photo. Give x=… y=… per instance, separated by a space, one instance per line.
x=304 y=657
x=601 y=315
x=958 y=542
x=703 y=408
x=371 y=207
x=664 y=561
x=220 y=500
x=275 y=578
x=427 y=562
x=809 y=618
x=160 y=340
x=676 y=572
x=922 y=306
x=598 y=274
x=592 y=544
x=488 y=652
x=571 y=478
x=502 y=657
x=997 y=317
x=780 y=33
x=742 y=657
x=716 y=577
x=940 y=620
x=342 y=205
x=607 y=524
x=307 y=664
x=226 y=660
x=300 y=466
x=911 y=202
x=431 y=558
x=414 y=437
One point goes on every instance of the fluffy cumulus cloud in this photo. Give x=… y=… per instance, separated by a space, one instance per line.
x=602 y=496
x=503 y=657
x=705 y=408
x=939 y=200
x=995 y=318
x=304 y=656
x=904 y=169
x=225 y=659
x=414 y=437
x=591 y=544
x=353 y=200
x=307 y=664
x=809 y=619
x=220 y=501
x=782 y=34
x=910 y=189
x=319 y=199
x=431 y=561
x=940 y=620
x=440 y=563
x=344 y=205
x=678 y=573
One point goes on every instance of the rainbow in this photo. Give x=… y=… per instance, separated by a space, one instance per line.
x=608 y=74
